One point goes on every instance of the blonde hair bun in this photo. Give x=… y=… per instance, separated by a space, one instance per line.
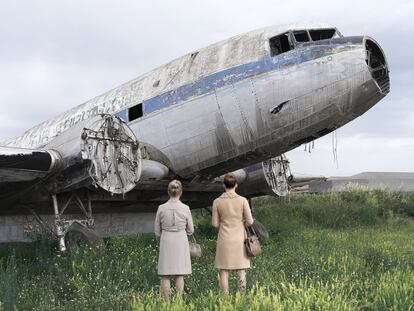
x=175 y=188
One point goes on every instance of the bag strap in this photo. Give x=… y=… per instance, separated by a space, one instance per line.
x=193 y=238
x=254 y=231
x=249 y=230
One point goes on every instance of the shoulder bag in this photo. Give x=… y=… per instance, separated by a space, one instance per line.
x=195 y=248
x=251 y=242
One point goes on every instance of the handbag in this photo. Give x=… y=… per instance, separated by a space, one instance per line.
x=195 y=248
x=251 y=242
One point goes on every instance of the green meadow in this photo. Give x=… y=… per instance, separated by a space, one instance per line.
x=347 y=251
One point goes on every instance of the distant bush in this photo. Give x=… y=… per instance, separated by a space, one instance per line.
x=336 y=210
x=394 y=203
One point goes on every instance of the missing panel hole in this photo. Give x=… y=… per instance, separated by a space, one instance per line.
x=278 y=107
x=135 y=112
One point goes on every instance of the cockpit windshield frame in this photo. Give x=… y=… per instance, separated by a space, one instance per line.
x=323 y=34
x=301 y=36
x=296 y=38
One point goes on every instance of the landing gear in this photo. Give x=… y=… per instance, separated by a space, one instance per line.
x=74 y=232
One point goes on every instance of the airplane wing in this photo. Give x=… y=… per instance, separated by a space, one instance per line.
x=301 y=183
x=19 y=164
x=101 y=152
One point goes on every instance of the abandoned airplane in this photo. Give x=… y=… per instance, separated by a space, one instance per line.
x=236 y=105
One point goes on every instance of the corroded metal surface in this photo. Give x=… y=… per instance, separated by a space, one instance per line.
x=112 y=148
x=214 y=110
x=206 y=116
x=19 y=164
x=276 y=172
x=218 y=109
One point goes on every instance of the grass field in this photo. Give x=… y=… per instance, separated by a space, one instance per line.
x=349 y=251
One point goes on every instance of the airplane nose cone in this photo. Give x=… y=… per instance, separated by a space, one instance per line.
x=377 y=64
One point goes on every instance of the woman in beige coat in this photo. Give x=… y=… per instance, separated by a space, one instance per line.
x=173 y=223
x=231 y=213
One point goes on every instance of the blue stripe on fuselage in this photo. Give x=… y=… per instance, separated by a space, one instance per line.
x=230 y=76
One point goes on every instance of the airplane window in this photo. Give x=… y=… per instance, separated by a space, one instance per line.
x=322 y=34
x=135 y=112
x=301 y=36
x=279 y=44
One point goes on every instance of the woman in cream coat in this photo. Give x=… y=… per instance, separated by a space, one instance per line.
x=231 y=213
x=173 y=223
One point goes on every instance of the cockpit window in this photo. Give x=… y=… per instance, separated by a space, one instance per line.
x=289 y=40
x=322 y=34
x=301 y=36
x=280 y=44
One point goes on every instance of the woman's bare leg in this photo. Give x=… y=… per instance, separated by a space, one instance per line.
x=166 y=287
x=224 y=281
x=179 y=284
x=241 y=284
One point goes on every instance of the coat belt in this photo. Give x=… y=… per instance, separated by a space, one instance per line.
x=173 y=229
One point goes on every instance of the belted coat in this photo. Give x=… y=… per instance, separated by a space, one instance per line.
x=231 y=212
x=173 y=222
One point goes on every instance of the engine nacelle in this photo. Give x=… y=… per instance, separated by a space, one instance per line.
x=102 y=151
x=269 y=177
x=275 y=171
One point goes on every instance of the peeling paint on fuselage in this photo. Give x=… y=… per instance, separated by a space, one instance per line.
x=210 y=111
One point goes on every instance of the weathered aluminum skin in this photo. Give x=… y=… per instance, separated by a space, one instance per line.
x=227 y=106
x=211 y=111
x=221 y=108
x=20 y=165
x=101 y=151
x=112 y=149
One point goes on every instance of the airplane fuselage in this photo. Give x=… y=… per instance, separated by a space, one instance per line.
x=225 y=107
x=233 y=104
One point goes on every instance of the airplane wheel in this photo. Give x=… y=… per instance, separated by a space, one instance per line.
x=79 y=236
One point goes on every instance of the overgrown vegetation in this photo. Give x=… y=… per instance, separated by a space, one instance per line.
x=348 y=251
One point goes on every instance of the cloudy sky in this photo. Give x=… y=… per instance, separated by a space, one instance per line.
x=57 y=54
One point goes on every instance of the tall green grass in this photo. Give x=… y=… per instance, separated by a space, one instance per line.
x=349 y=251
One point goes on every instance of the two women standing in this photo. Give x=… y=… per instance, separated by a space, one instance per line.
x=173 y=222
